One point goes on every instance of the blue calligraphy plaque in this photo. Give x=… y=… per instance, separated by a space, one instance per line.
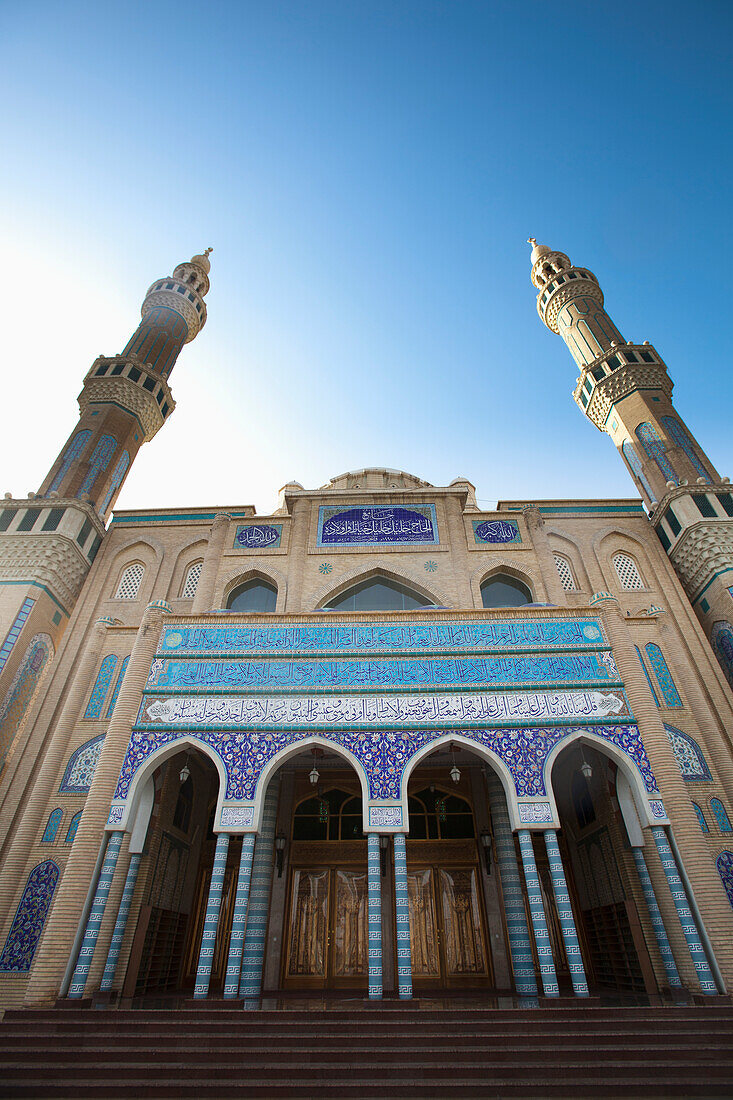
x=258 y=536
x=496 y=530
x=375 y=524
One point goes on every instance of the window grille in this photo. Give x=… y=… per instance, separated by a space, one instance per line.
x=191 y=582
x=627 y=572
x=130 y=581
x=567 y=580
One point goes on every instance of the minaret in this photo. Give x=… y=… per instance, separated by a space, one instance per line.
x=48 y=540
x=625 y=390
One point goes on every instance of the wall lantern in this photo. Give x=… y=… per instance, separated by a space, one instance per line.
x=383 y=846
x=486 y=845
x=279 y=853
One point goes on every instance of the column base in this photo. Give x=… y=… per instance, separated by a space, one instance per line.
x=713 y=999
x=73 y=1002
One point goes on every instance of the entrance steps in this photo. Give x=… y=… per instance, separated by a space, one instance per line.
x=376 y=1052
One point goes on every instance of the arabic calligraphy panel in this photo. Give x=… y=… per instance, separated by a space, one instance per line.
x=377 y=524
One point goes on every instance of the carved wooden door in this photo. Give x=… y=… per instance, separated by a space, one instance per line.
x=446 y=926
x=327 y=942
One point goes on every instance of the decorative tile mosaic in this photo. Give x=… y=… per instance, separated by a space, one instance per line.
x=648 y=677
x=702 y=820
x=30 y=916
x=663 y=675
x=688 y=755
x=324 y=711
x=379 y=673
x=431 y=567
x=720 y=815
x=652 y=444
x=678 y=434
x=119 y=472
x=14 y=632
x=636 y=467
x=52 y=826
x=387 y=817
x=258 y=536
x=383 y=754
x=74 y=451
x=241 y=817
x=73 y=826
x=724 y=863
x=101 y=455
x=387 y=637
x=535 y=813
x=657 y=807
x=101 y=687
x=23 y=688
x=376 y=524
x=325 y=568
x=722 y=639
x=495 y=530
x=80 y=768
x=118 y=685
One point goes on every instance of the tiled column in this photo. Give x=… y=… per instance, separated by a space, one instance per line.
x=86 y=951
x=402 y=916
x=253 y=958
x=520 y=946
x=211 y=920
x=121 y=923
x=537 y=912
x=682 y=905
x=670 y=967
x=374 y=873
x=565 y=916
x=239 y=920
x=206 y=588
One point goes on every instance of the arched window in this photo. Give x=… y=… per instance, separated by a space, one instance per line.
x=652 y=444
x=582 y=800
x=701 y=818
x=503 y=591
x=118 y=685
x=688 y=755
x=724 y=863
x=184 y=805
x=565 y=573
x=679 y=435
x=52 y=826
x=102 y=453
x=29 y=919
x=721 y=816
x=191 y=582
x=130 y=582
x=23 y=688
x=722 y=639
x=334 y=815
x=74 y=451
x=648 y=677
x=73 y=826
x=80 y=768
x=663 y=675
x=636 y=468
x=101 y=687
x=379 y=594
x=436 y=814
x=627 y=572
x=253 y=596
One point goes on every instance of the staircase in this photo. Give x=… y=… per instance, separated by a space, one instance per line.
x=381 y=1052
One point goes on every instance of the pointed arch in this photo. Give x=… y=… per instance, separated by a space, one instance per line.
x=379 y=572
x=138 y=782
x=52 y=826
x=688 y=754
x=678 y=434
x=98 y=463
x=721 y=816
x=649 y=438
x=73 y=826
x=722 y=639
x=625 y=763
x=23 y=689
x=663 y=675
x=101 y=686
x=30 y=917
x=79 y=771
x=258 y=572
x=634 y=463
x=72 y=453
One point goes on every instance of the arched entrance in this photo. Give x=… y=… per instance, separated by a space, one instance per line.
x=600 y=873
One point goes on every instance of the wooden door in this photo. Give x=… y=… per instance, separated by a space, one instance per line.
x=327 y=938
x=447 y=936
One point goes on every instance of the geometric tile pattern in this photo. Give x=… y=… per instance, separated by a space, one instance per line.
x=73 y=451
x=106 y=447
x=101 y=687
x=30 y=916
x=678 y=433
x=537 y=913
x=239 y=918
x=663 y=675
x=96 y=914
x=652 y=444
x=118 y=685
x=648 y=677
x=682 y=906
x=375 y=917
x=80 y=768
x=253 y=954
x=721 y=816
x=670 y=966
x=12 y=637
x=121 y=922
x=211 y=920
x=724 y=863
x=73 y=827
x=402 y=919
x=565 y=916
x=52 y=827
x=688 y=755
x=22 y=690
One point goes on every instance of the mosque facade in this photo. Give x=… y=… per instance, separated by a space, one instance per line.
x=381 y=742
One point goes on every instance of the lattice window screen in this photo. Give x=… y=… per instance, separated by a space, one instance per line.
x=628 y=574
x=567 y=580
x=192 y=580
x=130 y=580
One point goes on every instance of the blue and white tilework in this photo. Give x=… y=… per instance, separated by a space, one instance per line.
x=14 y=633
x=121 y=922
x=73 y=828
x=101 y=687
x=670 y=967
x=74 y=451
x=118 y=685
x=374 y=916
x=565 y=916
x=116 y=480
x=253 y=956
x=52 y=826
x=682 y=905
x=258 y=536
x=402 y=919
x=724 y=863
x=663 y=675
x=239 y=918
x=102 y=453
x=720 y=815
x=537 y=913
x=495 y=531
x=688 y=755
x=376 y=524
x=211 y=918
x=86 y=951
x=520 y=947
x=80 y=768
x=30 y=916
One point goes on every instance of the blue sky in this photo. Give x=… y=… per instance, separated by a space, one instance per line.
x=367 y=173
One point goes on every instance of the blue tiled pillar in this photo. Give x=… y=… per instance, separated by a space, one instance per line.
x=374 y=875
x=402 y=919
x=682 y=905
x=565 y=916
x=537 y=912
x=253 y=958
x=121 y=923
x=520 y=946
x=239 y=919
x=211 y=920
x=86 y=951
x=670 y=967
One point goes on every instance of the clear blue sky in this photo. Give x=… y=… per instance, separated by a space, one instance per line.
x=367 y=173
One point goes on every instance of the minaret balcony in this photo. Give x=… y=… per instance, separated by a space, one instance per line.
x=620 y=371
x=128 y=382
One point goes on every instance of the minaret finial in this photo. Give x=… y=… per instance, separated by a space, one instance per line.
x=532 y=241
x=207 y=251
